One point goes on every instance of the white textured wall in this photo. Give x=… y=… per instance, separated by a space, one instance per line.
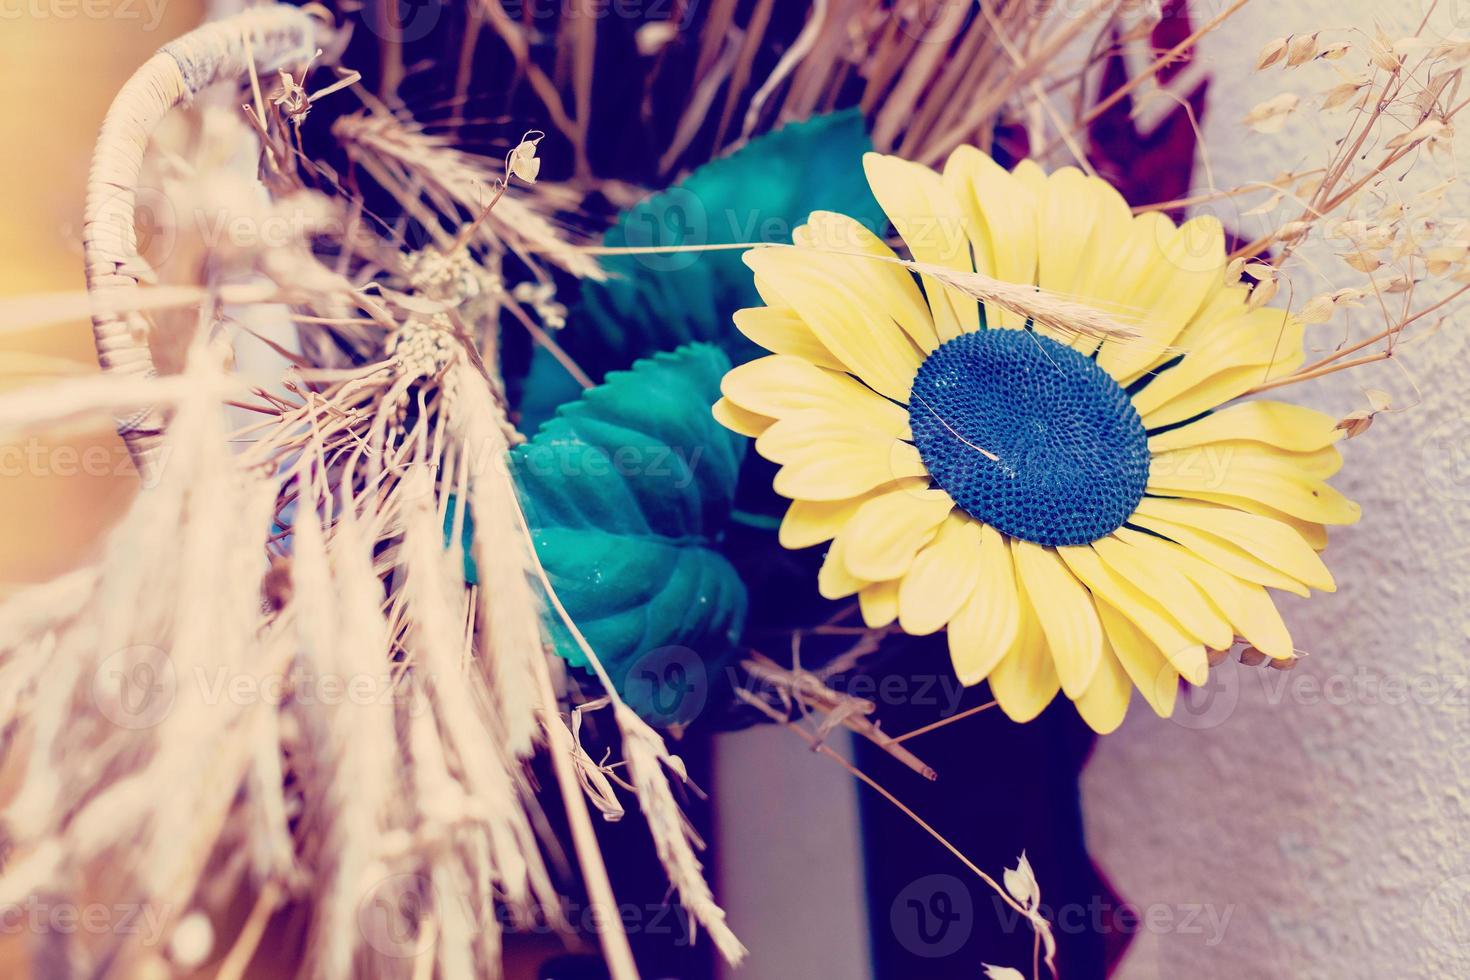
x=1321 y=815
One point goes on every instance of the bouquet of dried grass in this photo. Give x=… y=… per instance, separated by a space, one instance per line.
x=313 y=664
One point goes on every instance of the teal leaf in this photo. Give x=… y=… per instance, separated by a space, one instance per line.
x=657 y=302
x=628 y=491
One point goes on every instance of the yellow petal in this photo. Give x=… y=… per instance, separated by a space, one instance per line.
x=782 y=385
x=810 y=522
x=1303 y=497
x=1247 y=606
x=847 y=467
x=957 y=182
x=1025 y=680
x=1008 y=208
x=987 y=625
x=942 y=578
x=879 y=604
x=834 y=581
x=1257 y=345
x=1223 y=306
x=737 y=419
x=885 y=534
x=1260 y=541
x=1150 y=671
x=1065 y=612
x=1067 y=213
x=1215 y=465
x=1280 y=424
x=1101 y=283
x=932 y=226
x=1189 y=268
x=826 y=291
x=803 y=435
x=1170 y=589
x=1314 y=534
x=1112 y=589
x=889 y=286
x=781 y=331
x=1105 y=701
x=1129 y=271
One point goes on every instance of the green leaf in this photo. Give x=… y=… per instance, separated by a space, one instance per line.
x=628 y=490
x=657 y=302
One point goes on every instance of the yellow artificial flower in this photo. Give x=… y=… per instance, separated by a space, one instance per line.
x=1081 y=515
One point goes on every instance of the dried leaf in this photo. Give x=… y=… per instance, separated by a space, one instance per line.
x=1335 y=50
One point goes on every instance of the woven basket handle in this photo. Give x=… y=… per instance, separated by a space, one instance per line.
x=279 y=35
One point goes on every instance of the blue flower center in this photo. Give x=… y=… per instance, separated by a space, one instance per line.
x=1029 y=436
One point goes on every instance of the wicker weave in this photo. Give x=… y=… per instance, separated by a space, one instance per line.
x=279 y=35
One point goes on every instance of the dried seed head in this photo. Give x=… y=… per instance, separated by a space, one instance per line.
x=1301 y=49
x=1381 y=54
x=1318 y=309
x=1270 y=116
x=1355 y=423
x=1339 y=95
x=1252 y=657
x=1293 y=232
x=1273 y=52
x=1264 y=292
x=1428 y=129
x=1379 y=399
x=522 y=161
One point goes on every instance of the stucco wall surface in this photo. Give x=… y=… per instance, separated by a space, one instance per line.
x=1316 y=823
